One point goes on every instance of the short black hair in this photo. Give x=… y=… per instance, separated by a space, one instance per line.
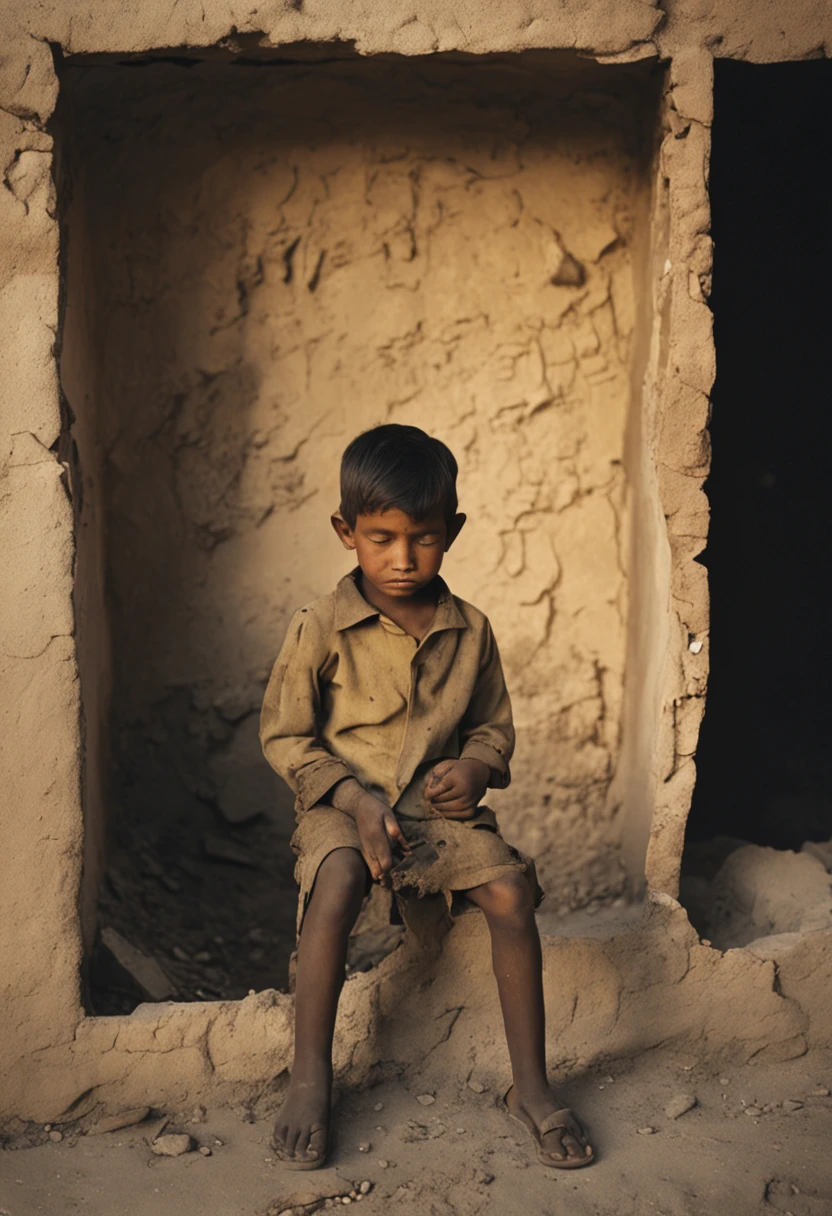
x=397 y=466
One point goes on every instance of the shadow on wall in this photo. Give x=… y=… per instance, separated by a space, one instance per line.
x=275 y=258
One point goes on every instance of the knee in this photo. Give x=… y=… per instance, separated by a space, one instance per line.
x=341 y=879
x=507 y=899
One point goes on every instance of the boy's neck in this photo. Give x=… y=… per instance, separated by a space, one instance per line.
x=413 y=613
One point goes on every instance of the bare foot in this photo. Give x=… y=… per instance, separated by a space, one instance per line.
x=301 y=1129
x=565 y=1145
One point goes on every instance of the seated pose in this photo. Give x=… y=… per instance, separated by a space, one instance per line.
x=387 y=714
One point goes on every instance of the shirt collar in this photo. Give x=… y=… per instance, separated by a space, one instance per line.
x=351 y=608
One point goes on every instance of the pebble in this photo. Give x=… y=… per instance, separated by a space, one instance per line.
x=426 y=1099
x=647 y=1131
x=477 y=1087
x=679 y=1105
x=379 y=1106
x=205 y=1150
x=754 y=1111
x=172 y=1145
x=364 y=1146
x=791 y=1104
x=47 y=1127
x=382 y=1164
x=55 y=1137
x=365 y=1187
x=483 y=1177
x=823 y=1092
x=725 y=1080
x=219 y=1143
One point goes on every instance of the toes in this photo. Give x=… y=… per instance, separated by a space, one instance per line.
x=317 y=1143
x=573 y=1146
x=291 y=1141
x=302 y=1142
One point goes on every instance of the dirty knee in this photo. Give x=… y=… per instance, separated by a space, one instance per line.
x=507 y=898
x=341 y=878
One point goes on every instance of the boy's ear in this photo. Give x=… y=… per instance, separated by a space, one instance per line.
x=454 y=528
x=343 y=530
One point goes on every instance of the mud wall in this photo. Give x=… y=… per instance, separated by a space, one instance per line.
x=284 y=255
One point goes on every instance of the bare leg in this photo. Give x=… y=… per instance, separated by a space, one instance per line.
x=333 y=908
x=518 y=966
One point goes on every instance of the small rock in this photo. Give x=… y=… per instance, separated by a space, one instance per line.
x=365 y=1187
x=364 y=1146
x=823 y=1092
x=477 y=1087
x=754 y=1111
x=180 y=954
x=679 y=1105
x=172 y=1145
x=56 y=1137
x=346 y=1199
x=379 y=1106
x=205 y=1150
x=47 y=1127
x=425 y=1099
x=382 y=1164
x=219 y=1143
x=791 y=1104
x=647 y=1131
x=483 y=1177
x=724 y=1080
x=203 y=956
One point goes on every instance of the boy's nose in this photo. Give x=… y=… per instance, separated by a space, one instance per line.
x=403 y=558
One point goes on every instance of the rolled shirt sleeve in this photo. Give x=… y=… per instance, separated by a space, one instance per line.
x=289 y=730
x=486 y=731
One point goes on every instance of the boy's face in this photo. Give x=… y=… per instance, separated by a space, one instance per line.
x=397 y=554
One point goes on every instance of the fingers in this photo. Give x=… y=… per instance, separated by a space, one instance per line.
x=447 y=793
x=441 y=769
x=459 y=810
x=394 y=831
x=436 y=780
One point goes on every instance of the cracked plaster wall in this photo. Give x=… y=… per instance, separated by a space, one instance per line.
x=273 y=259
x=50 y=1054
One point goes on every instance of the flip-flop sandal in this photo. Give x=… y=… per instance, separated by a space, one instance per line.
x=558 y=1119
x=303 y=1163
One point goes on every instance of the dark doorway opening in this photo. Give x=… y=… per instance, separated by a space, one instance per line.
x=764 y=772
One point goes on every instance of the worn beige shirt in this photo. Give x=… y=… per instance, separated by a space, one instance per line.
x=353 y=695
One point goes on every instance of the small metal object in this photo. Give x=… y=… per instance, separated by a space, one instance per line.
x=422 y=854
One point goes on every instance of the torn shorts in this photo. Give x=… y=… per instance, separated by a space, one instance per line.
x=469 y=852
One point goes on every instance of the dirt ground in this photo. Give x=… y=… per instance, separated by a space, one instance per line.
x=459 y=1155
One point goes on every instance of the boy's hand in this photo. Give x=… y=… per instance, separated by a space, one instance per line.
x=377 y=826
x=455 y=787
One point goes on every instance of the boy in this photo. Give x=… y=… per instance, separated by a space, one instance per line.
x=388 y=715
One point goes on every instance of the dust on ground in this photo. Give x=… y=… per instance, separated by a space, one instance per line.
x=755 y=1144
